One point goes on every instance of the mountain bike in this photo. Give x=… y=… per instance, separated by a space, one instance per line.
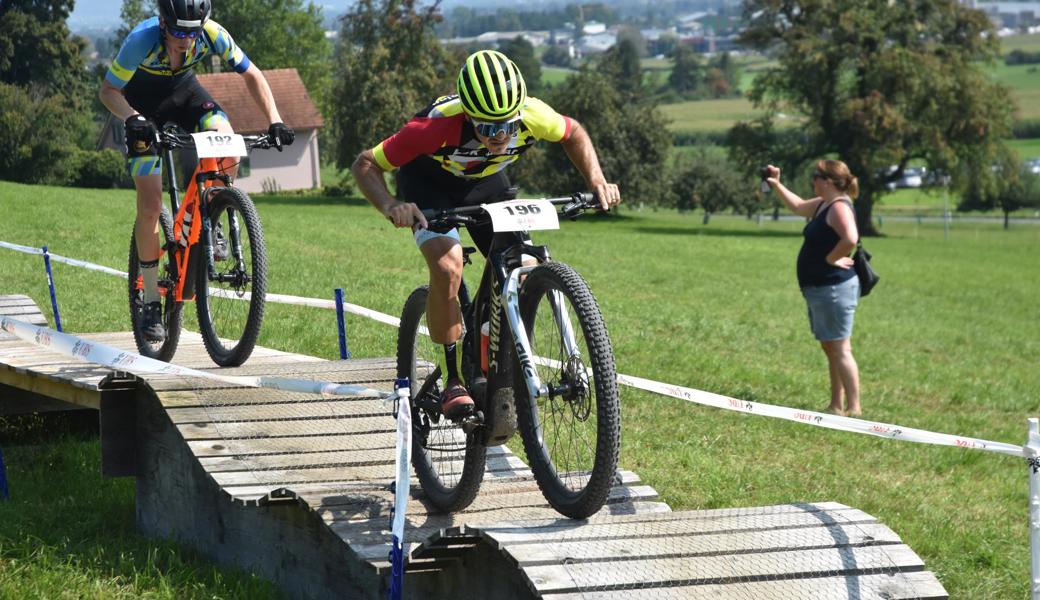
x=211 y=252
x=535 y=356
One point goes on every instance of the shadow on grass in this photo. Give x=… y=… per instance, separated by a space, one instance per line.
x=701 y=230
x=308 y=200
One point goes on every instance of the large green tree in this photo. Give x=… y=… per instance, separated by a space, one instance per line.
x=687 y=74
x=520 y=51
x=36 y=48
x=630 y=135
x=388 y=66
x=278 y=34
x=1015 y=187
x=878 y=84
x=621 y=64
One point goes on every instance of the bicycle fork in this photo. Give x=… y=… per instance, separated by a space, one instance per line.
x=511 y=302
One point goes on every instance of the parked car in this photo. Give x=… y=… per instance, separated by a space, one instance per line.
x=1034 y=165
x=912 y=177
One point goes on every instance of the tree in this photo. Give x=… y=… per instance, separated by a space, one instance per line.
x=36 y=49
x=278 y=34
x=631 y=139
x=132 y=12
x=687 y=74
x=557 y=55
x=621 y=64
x=520 y=51
x=879 y=83
x=1015 y=187
x=708 y=182
x=388 y=66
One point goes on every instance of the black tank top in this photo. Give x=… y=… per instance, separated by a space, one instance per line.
x=820 y=239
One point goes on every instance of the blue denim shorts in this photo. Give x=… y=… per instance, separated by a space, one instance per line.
x=832 y=308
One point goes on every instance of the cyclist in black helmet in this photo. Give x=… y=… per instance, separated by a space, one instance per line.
x=454 y=153
x=152 y=82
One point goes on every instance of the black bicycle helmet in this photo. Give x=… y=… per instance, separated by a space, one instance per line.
x=185 y=14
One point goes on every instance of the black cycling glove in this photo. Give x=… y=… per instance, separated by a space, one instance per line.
x=140 y=132
x=280 y=134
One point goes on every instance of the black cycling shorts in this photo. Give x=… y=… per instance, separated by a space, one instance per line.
x=427 y=185
x=187 y=104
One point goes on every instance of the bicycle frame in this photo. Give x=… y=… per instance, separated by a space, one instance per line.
x=191 y=221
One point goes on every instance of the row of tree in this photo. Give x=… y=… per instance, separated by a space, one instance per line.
x=877 y=86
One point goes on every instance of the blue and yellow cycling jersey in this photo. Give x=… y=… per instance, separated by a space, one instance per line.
x=144 y=59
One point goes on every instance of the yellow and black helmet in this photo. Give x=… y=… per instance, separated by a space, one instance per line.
x=491 y=87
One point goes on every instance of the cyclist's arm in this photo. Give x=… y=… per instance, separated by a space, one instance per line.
x=369 y=176
x=261 y=93
x=113 y=99
x=582 y=153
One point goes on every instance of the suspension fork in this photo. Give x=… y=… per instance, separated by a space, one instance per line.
x=511 y=305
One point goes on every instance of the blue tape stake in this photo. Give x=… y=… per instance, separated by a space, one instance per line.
x=396 y=571
x=343 y=352
x=5 y=494
x=50 y=283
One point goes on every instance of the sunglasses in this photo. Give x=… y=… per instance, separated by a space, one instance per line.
x=181 y=34
x=493 y=128
x=819 y=175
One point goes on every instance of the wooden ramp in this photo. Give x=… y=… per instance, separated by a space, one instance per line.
x=296 y=488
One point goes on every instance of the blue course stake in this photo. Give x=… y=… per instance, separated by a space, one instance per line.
x=5 y=494
x=343 y=352
x=50 y=283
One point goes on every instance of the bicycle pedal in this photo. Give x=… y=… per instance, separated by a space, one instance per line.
x=472 y=421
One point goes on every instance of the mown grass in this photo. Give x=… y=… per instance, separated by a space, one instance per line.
x=948 y=342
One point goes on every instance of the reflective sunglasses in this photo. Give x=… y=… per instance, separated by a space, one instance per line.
x=183 y=33
x=493 y=128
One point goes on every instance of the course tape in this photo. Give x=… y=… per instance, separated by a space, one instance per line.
x=402 y=488
x=829 y=421
x=808 y=417
x=63 y=259
x=120 y=360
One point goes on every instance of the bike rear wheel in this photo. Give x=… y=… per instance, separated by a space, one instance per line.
x=172 y=310
x=448 y=463
x=230 y=302
x=571 y=435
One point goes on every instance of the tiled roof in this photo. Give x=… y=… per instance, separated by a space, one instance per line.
x=294 y=104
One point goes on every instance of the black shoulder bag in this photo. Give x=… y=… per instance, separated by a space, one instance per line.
x=868 y=278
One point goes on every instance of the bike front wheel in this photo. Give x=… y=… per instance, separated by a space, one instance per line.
x=172 y=310
x=230 y=299
x=449 y=463
x=571 y=434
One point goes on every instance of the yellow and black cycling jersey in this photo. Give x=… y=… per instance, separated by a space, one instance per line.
x=442 y=133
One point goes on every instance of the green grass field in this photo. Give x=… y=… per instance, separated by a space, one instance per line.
x=946 y=343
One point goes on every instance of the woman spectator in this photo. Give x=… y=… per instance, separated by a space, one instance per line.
x=825 y=274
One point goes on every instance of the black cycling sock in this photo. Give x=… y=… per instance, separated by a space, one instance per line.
x=451 y=360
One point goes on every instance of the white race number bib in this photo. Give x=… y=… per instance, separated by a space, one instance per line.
x=522 y=215
x=212 y=144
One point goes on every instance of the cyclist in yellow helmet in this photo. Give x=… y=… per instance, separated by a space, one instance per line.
x=454 y=153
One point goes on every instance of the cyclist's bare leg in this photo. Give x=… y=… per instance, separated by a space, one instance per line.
x=230 y=165
x=146 y=230
x=444 y=318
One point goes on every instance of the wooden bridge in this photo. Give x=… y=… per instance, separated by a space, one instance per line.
x=295 y=488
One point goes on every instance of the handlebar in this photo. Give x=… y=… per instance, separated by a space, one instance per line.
x=447 y=218
x=170 y=138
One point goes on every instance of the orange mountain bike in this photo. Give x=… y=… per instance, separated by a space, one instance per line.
x=212 y=252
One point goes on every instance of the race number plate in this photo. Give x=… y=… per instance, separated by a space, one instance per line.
x=211 y=144
x=522 y=215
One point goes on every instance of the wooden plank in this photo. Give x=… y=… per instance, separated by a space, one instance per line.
x=249 y=397
x=20 y=312
x=293 y=444
x=382 y=469
x=579 y=577
x=298 y=460
x=82 y=396
x=234 y=430
x=422 y=526
x=677 y=524
x=318 y=408
x=920 y=585
x=649 y=543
